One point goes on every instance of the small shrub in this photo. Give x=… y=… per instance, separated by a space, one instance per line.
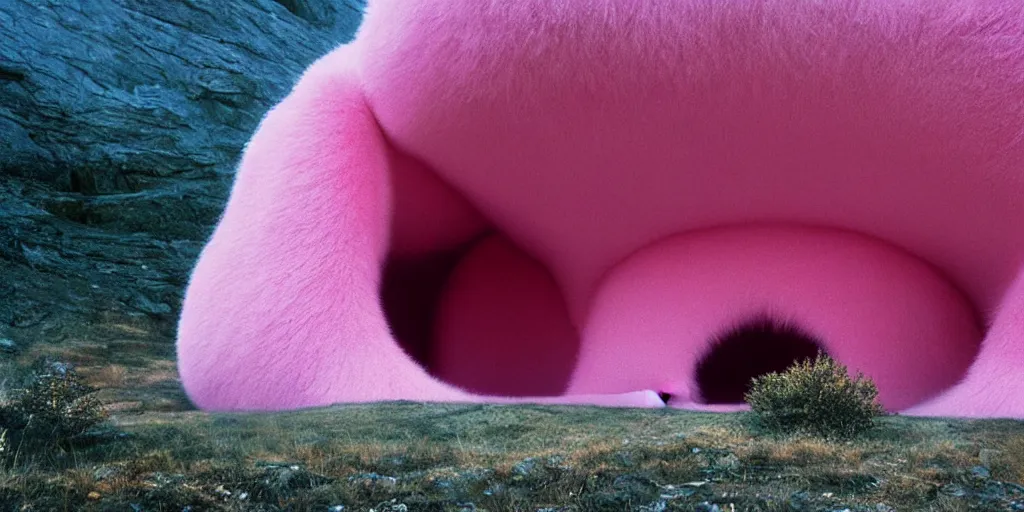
x=815 y=397
x=53 y=409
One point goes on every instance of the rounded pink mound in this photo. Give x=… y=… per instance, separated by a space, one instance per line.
x=629 y=203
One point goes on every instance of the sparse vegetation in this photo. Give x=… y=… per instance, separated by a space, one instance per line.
x=51 y=411
x=449 y=457
x=503 y=458
x=816 y=397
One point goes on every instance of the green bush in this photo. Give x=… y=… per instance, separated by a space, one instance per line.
x=52 y=410
x=815 y=397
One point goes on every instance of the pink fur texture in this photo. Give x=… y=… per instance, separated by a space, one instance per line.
x=628 y=203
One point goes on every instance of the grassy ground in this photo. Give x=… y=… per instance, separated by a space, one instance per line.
x=157 y=456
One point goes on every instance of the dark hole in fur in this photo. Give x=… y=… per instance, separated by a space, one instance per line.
x=753 y=349
x=410 y=291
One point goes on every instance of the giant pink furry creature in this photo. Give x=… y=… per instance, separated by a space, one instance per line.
x=628 y=203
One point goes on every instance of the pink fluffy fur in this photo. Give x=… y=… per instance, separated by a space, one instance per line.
x=648 y=174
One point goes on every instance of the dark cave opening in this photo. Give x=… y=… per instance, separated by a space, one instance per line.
x=755 y=348
x=503 y=331
x=410 y=291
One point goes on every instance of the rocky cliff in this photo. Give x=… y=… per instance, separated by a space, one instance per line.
x=121 y=122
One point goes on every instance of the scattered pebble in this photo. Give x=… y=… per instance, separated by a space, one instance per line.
x=391 y=506
x=678 y=493
x=525 y=467
x=373 y=479
x=658 y=506
x=104 y=473
x=730 y=461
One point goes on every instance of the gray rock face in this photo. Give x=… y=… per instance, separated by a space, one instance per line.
x=121 y=123
x=8 y=346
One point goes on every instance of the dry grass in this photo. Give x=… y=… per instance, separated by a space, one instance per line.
x=110 y=376
x=1006 y=458
x=500 y=458
x=512 y=458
